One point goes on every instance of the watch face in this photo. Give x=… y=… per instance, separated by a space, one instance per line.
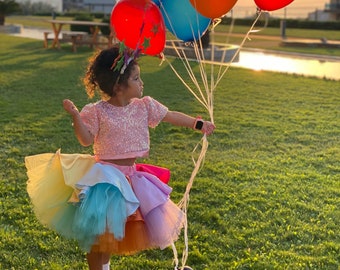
x=199 y=124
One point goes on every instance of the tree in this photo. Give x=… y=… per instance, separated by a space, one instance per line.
x=7 y=7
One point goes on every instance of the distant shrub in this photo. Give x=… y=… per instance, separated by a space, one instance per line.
x=106 y=30
x=291 y=23
x=82 y=28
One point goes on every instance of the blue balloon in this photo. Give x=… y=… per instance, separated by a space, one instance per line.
x=183 y=20
x=156 y=2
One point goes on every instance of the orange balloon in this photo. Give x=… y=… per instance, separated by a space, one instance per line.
x=213 y=8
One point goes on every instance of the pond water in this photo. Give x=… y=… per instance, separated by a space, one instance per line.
x=293 y=64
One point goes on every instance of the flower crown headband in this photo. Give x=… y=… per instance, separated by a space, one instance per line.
x=124 y=58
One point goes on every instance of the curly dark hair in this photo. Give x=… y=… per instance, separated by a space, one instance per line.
x=102 y=77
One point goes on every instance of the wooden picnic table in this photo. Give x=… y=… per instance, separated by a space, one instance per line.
x=76 y=37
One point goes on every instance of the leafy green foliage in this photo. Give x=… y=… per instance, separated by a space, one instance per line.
x=105 y=30
x=82 y=28
x=7 y=7
x=267 y=197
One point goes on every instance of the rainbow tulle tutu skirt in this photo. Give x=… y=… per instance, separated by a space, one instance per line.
x=107 y=208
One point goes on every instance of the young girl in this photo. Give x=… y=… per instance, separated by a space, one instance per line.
x=121 y=207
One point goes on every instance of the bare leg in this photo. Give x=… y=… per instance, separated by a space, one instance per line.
x=97 y=261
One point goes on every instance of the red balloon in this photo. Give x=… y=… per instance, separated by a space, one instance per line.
x=139 y=24
x=270 y=5
x=213 y=8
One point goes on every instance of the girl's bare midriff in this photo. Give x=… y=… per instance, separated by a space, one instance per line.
x=121 y=162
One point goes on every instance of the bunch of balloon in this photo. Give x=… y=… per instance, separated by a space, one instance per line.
x=140 y=25
x=270 y=5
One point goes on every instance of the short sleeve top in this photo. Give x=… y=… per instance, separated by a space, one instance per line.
x=122 y=132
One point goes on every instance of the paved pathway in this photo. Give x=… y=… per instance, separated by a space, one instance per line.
x=31 y=33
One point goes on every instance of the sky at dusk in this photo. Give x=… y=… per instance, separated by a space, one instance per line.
x=297 y=9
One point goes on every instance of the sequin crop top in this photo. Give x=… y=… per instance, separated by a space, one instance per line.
x=122 y=132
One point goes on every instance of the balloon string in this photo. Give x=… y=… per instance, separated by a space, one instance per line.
x=199 y=96
x=174 y=250
x=185 y=84
x=266 y=16
x=239 y=48
x=208 y=98
x=182 y=56
x=183 y=204
x=226 y=41
x=207 y=102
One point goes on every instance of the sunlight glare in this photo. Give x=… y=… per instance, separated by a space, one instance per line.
x=308 y=66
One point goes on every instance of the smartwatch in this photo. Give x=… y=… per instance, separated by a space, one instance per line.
x=199 y=124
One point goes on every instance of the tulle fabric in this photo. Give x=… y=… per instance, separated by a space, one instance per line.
x=136 y=238
x=51 y=184
x=163 y=218
x=111 y=209
x=101 y=210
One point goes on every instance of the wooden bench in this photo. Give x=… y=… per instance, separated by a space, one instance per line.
x=73 y=37
x=99 y=41
x=47 y=38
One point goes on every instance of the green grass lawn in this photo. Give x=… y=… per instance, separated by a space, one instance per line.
x=267 y=197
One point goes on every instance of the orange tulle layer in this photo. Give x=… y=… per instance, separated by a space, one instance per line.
x=136 y=238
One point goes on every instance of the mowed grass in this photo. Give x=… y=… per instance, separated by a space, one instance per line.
x=267 y=197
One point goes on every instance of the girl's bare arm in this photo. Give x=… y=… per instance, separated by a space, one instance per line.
x=184 y=120
x=83 y=135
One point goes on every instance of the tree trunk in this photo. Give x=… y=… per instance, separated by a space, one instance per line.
x=2 y=19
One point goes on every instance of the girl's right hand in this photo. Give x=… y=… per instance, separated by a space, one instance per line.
x=70 y=107
x=208 y=128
